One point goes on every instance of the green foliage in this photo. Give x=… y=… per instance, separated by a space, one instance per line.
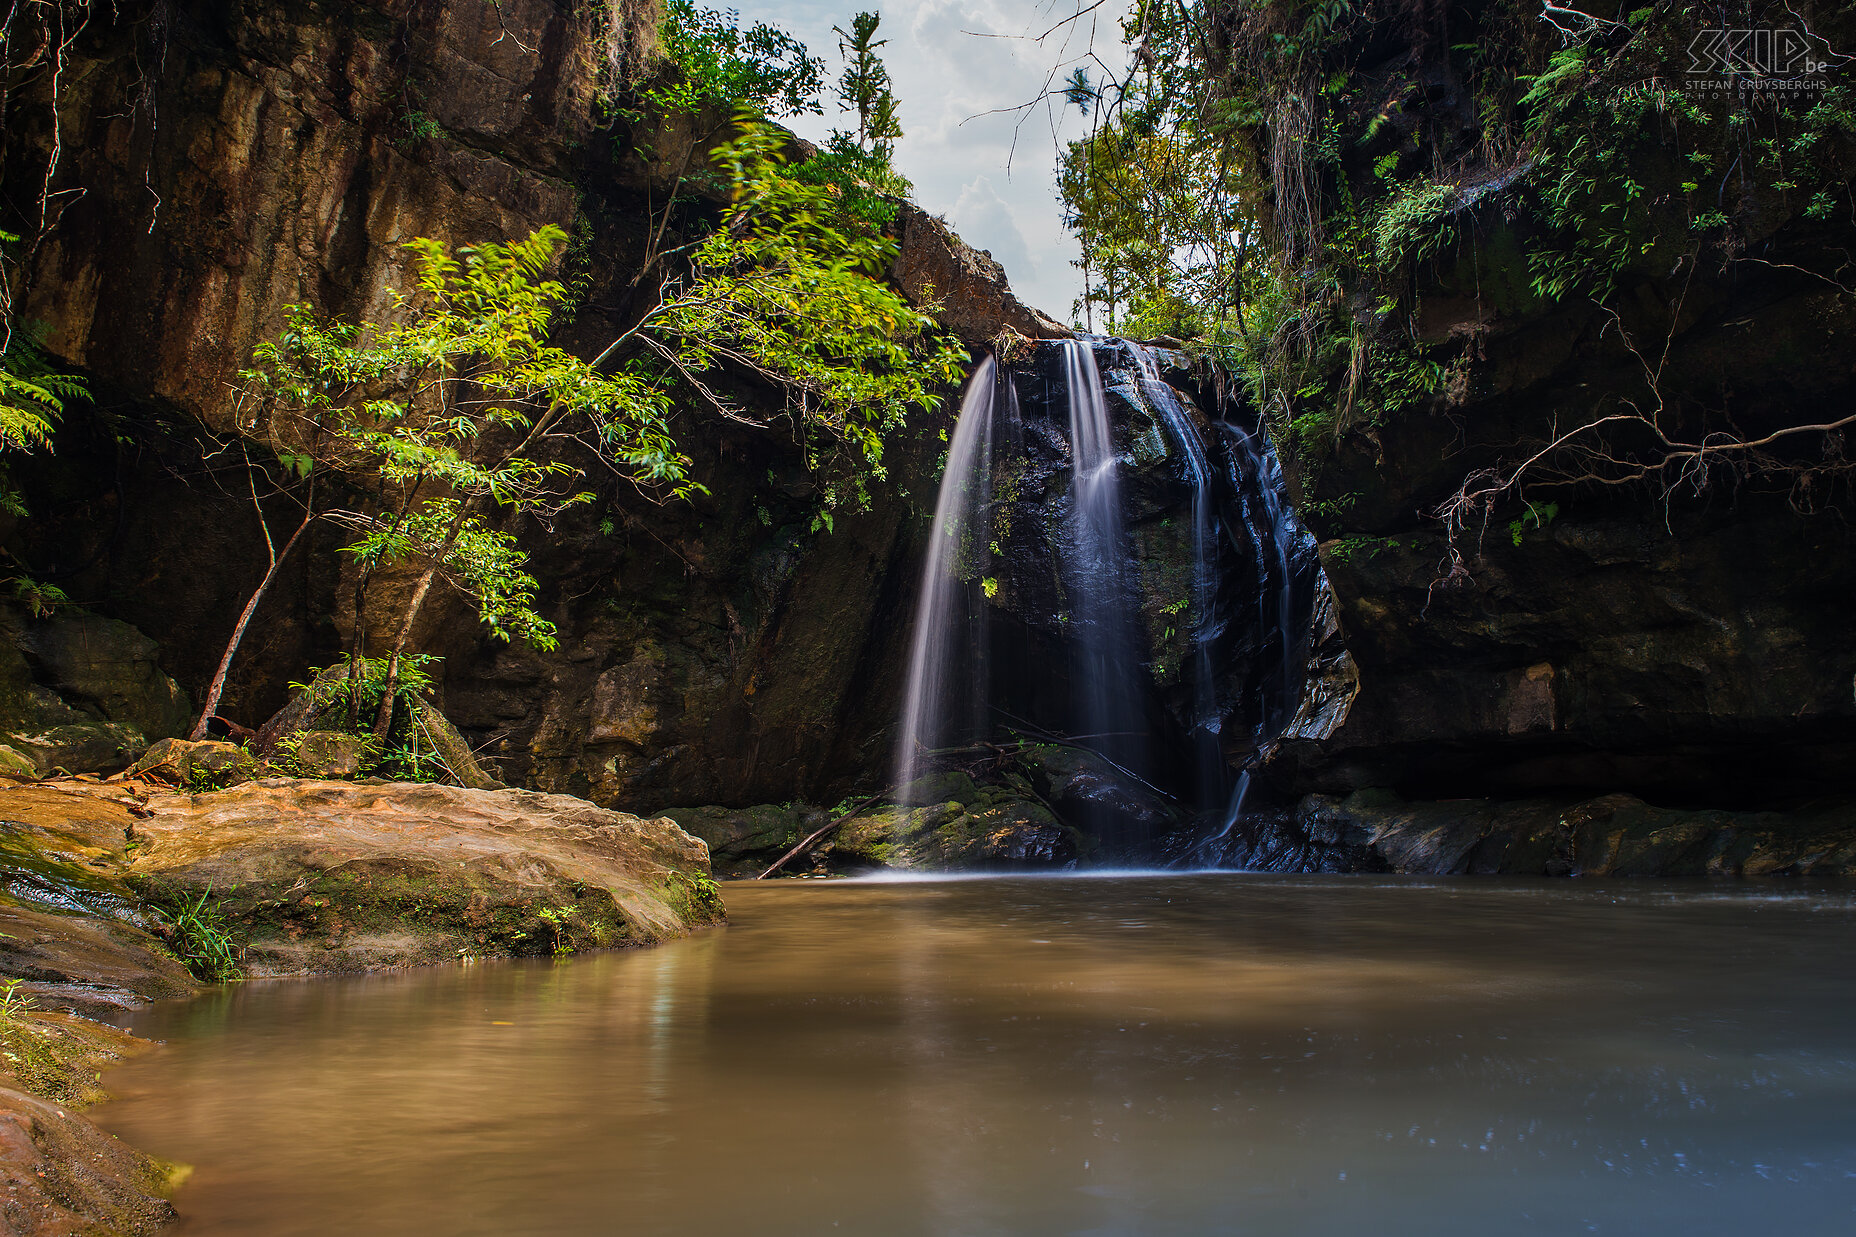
x=359 y=693
x=404 y=406
x=196 y=933
x=1412 y=225
x=39 y=599
x=560 y=921
x=1538 y=515
x=1156 y=192
x=32 y=395
x=864 y=87
x=784 y=289
x=862 y=180
x=715 y=63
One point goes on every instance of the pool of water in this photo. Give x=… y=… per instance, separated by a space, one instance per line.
x=1143 y=1054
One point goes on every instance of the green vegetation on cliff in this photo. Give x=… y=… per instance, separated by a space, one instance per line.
x=1342 y=200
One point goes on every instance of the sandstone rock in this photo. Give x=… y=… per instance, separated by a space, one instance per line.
x=977 y=304
x=335 y=876
x=64 y=1176
x=89 y=965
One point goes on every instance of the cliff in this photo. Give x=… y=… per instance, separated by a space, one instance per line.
x=216 y=164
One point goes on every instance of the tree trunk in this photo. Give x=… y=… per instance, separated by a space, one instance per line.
x=383 y=718
x=218 y=688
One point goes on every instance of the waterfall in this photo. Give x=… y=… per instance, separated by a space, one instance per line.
x=1273 y=531
x=950 y=626
x=1255 y=475
x=1109 y=716
x=1053 y=566
x=1206 y=721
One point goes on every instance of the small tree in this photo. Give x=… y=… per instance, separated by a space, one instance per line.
x=439 y=417
x=864 y=87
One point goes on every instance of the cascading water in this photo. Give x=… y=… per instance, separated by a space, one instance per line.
x=1255 y=475
x=948 y=649
x=1184 y=430
x=1065 y=600
x=1096 y=572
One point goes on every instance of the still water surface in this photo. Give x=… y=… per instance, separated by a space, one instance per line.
x=1159 y=1054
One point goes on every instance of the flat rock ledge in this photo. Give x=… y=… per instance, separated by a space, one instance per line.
x=319 y=877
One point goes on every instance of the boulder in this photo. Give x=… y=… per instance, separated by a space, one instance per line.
x=203 y=764
x=107 y=667
x=330 y=754
x=743 y=841
x=316 y=876
x=934 y=267
x=984 y=827
x=1092 y=794
x=79 y=693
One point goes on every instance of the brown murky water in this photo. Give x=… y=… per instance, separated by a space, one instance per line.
x=1193 y=1054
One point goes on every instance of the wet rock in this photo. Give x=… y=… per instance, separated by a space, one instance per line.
x=199 y=764
x=64 y=1176
x=1612 y=835
x=743 y=841
x=985 y=827
x=1090 y=793
x=338 y=876
x=88 y=965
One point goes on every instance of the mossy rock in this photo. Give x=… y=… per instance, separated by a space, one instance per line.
x=202 y=764
x=992 y=829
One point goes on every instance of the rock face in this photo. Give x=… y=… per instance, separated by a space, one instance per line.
x=1679 y=634
x=280 y=154
x=80 y=692
x=934 y=266
x=335 y=876
x=1613 y=835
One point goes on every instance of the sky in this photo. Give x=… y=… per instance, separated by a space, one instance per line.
x=962 y=71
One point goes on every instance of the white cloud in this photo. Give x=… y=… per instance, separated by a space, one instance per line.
x=991 y=170
x=984 y=221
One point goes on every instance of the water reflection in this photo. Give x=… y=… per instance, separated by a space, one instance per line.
x=1160 y=1054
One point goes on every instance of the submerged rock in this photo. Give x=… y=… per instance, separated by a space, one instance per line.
x=336 y=876
x=1613 y=835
